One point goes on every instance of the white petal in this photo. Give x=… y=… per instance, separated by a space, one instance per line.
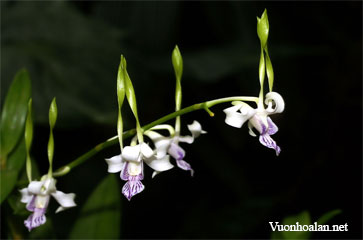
x=159 y=164
x=237 y=119
x=250 y=131
x=277 y=99
x=114 y=164
x=65 y=200
x=131 y=153
x=25 y=196
x=35 y=187
x=146 y=150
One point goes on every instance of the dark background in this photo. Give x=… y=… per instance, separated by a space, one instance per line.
x=72 y=51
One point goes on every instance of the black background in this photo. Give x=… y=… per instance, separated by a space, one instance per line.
x=72 y=51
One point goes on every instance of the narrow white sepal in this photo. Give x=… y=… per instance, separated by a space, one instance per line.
x=114 y=164
x=154 y=174
x=65 y=200
x=159 y=164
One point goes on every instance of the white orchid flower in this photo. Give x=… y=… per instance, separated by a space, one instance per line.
x=258 y=118
x=37 y=196
x=170 y=145
x=131 y=165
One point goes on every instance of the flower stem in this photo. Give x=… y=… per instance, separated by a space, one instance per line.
x=112 y=141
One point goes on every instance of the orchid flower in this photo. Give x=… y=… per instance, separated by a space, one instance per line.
x=170 y=145
x=37 y=196
x=131 y=165
x=258 y=118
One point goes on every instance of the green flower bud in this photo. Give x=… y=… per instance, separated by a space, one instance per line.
x=263 y=28
x=177 y=62
x=121 y=92
x=53 y=112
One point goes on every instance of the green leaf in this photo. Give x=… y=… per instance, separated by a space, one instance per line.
x=263 y=28
x=9 y=175
x=8 y=181
x=14 y=112
x=304 y=219
x=327 y=216
x=100 y=216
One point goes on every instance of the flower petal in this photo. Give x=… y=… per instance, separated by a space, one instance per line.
x=159 y=164
x=237 y=119
x=176 y=151
x=185 y=166
x=114 y=164
x=250 y=129
x=25 y=195
x=65 y=200
x=131 y=153
x=31 y=204
x=267 y=141
x=161 y=143
x=35 y=187
x=124 y=175
x=146 y=150
x=35 y=219
x=131 y=188
x=272 y=128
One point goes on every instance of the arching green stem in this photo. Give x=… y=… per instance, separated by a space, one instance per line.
x=114 y=140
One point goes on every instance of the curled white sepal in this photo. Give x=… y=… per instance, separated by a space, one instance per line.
x=115 y=164
x=237 y=115
x=161 y=143
x=277 y=100
x=65 y=200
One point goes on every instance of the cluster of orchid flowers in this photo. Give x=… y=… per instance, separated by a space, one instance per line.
x=130 y=162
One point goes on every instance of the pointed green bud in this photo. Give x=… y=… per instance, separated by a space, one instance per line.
x=121 y=92
x=28 y=135
x=53 y=112
x=131 y=98
x=263 y=28
x=177 y=62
